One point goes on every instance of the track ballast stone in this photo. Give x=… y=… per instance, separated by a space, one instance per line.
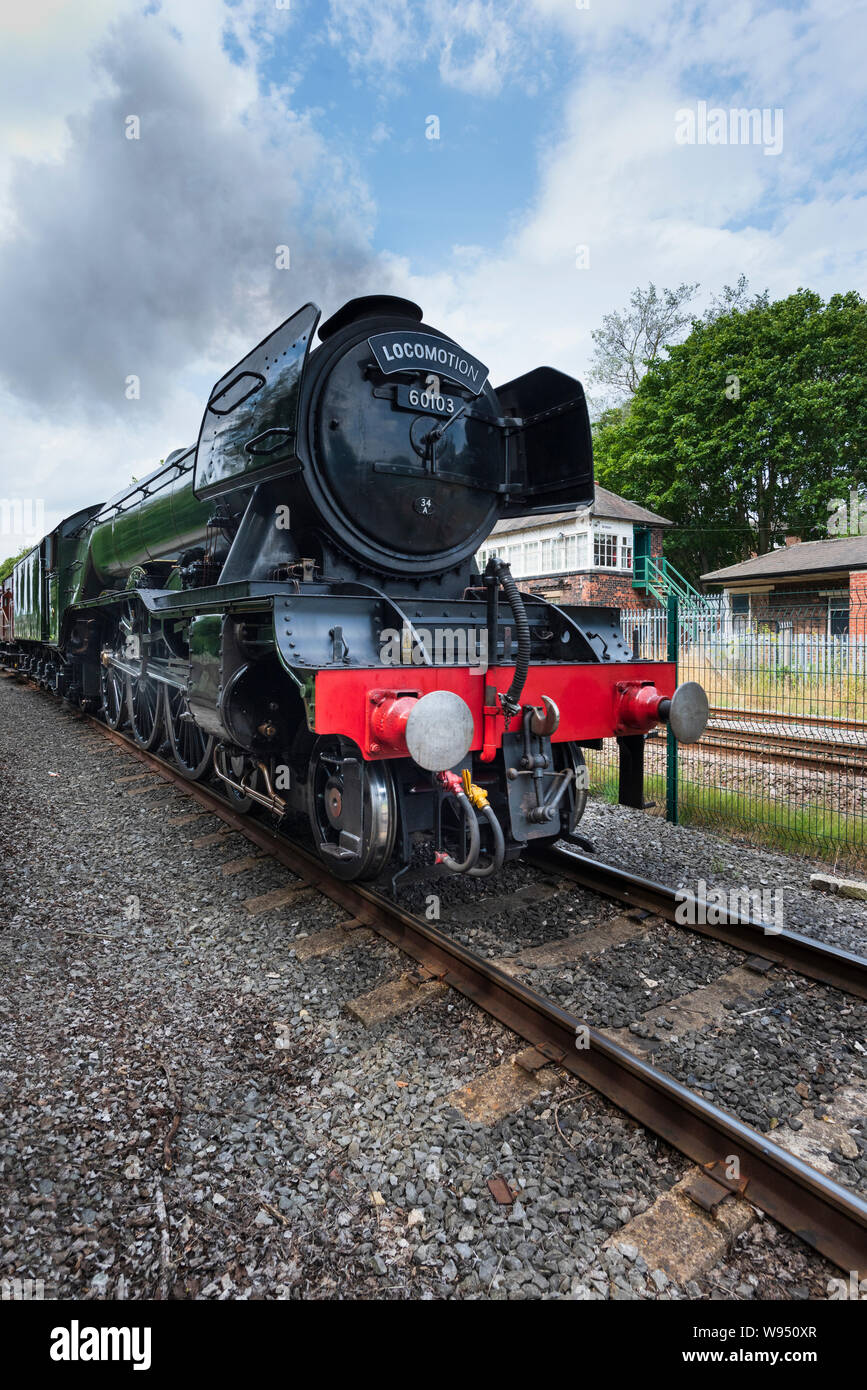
x=684 y=856
x=188 y=1110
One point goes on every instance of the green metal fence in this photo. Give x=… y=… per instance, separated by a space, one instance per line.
x=784 y=757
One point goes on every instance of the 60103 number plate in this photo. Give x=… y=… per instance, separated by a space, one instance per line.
x=422 y=401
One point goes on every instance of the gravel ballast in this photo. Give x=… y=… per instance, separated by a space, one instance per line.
x=188 y=1109
x=684 y=857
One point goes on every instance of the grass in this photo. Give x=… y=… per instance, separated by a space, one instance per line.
x=765 y=806
x=818 y=832
x=776 y=689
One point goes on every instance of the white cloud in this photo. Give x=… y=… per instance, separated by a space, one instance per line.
x=138 y=256
x=376 y=33
x=45 y=77
x=65 y=465
x=482 y=45
x=157 y=257
x=616 y=181
x=187 y=291
x=478 y=45
x=649 y=209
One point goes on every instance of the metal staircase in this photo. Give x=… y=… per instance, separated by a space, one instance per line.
x=696 y=613
x=658 y=577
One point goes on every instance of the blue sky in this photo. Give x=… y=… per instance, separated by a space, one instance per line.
x=263 y=126
x=427 y=190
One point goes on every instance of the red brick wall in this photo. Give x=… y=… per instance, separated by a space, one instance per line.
x=803 y=605
x=656 y=534
x=589 y=586
x=858 y=603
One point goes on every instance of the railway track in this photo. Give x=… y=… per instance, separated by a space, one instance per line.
x=803 y=954
x=789 y=750
x=824 y=723
x=823 y=744
x=829 y=1217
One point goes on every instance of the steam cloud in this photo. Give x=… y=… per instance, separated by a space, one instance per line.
x=146 y=256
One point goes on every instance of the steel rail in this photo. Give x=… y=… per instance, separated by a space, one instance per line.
x=817 y=959
x=780 y=748
x=809 y=744
x=827 y=1216
x=821 y=722
x=777 y=748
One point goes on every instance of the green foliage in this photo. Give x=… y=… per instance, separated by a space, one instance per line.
x=7 y=565
x=748 y=429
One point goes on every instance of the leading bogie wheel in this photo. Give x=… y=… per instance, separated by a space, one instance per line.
x=577 y=799
x=339 y=784
x=113 y=688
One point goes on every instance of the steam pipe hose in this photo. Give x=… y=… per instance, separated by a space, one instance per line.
x=511 y=700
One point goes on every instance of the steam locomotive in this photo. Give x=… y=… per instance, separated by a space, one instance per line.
x=292 y=605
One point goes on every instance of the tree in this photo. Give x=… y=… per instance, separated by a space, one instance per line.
x=7 y=565
x=732 y=297
x=748 y=430
x=628 y=342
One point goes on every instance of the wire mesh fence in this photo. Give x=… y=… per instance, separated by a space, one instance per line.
x=784 y=756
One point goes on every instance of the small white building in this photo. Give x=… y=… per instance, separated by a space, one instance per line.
x=585 y=555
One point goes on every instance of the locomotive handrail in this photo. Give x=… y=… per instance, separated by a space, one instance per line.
x=250 y=446
x=257 y=378
x=406 y=623
x=113 y=507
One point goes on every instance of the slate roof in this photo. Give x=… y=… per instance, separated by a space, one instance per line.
x=607 y=505
x=805 y=557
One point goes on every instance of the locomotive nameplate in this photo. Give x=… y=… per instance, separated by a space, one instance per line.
x=422 y=401
x=407 y=352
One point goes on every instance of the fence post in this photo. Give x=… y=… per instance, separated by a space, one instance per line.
x=670 y=740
